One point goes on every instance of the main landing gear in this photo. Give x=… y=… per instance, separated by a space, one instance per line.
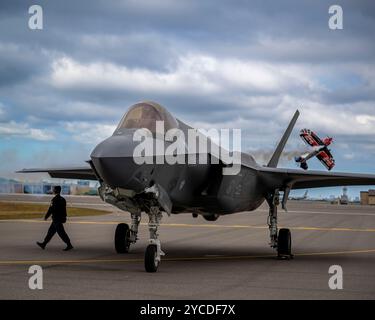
x=279 y=239
x=125 y=236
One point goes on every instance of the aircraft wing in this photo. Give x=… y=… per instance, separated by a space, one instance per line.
x=311 y=138
x=83 y=173
x=296 y=179
x=326 y=158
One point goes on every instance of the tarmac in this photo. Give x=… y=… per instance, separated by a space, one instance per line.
x=226 y=259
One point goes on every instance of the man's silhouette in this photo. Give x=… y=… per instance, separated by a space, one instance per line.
x=58 y=211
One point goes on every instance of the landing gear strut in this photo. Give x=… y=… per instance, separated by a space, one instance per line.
x=280 y=240
x=125 y=236
x=153 y=251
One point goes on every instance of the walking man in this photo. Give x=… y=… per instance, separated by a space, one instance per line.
x=58 y=211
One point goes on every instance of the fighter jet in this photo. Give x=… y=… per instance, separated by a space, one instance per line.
x=304 y=197
x=154 y=187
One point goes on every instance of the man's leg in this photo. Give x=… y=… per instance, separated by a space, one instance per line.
x=51 y=232
x=63 y=235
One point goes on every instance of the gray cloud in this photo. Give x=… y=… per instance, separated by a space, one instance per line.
x=250 y=66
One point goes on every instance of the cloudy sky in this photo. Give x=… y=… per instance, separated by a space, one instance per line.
x=222 y=64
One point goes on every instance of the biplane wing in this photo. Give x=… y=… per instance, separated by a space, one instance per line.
x=311 y=138
x=326 y=158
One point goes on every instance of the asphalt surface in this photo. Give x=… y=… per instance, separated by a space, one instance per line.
x=226 y=259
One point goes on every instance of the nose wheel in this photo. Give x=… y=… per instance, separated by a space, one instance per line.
x=125 y=235
x=122 y=238
x=151 y=261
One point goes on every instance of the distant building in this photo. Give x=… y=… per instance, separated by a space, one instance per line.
x=367 y=197
x=81 y=187
x=83 y=183
x=12 y=187
x=44 y=188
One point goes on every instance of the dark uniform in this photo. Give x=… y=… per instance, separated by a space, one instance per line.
x=57 y=210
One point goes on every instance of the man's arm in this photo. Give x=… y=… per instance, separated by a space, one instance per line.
x=49 y=212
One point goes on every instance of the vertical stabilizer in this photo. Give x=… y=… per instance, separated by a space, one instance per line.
x=280 y=147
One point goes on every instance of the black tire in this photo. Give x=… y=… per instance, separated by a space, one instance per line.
x=211 y=217
x=304 y=165
x=284 y=243
x=122 y=242
x=151 y=265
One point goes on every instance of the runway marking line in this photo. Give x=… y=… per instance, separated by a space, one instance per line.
x=366 y=213
x=181 y=225
x=203 y=258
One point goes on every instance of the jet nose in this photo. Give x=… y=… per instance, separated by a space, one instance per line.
x=113 y=160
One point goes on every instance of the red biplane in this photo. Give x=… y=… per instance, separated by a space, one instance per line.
x=320 y=150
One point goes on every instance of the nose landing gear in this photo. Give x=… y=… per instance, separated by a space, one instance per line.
x=153 y=252
x=125 y=236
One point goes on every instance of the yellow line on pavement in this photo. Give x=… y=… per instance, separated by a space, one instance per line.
x=186 y=225
x=335 y=252
x=207 y=258
x=83 y=261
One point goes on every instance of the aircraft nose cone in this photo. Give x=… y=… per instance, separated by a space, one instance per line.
x=113 y=160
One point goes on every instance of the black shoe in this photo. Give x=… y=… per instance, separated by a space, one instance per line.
x=69 y=247
x=41 y=244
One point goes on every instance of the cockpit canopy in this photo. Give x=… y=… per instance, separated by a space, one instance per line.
x=145 y=115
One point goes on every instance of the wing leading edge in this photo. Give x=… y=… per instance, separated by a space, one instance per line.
x=296 y=179
x=82 y=173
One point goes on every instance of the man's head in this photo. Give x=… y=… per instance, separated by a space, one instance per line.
x=56 y=190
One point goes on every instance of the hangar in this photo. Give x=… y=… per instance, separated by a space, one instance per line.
x=368 y=197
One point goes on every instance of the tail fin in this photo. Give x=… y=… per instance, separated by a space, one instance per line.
x=280 y=147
